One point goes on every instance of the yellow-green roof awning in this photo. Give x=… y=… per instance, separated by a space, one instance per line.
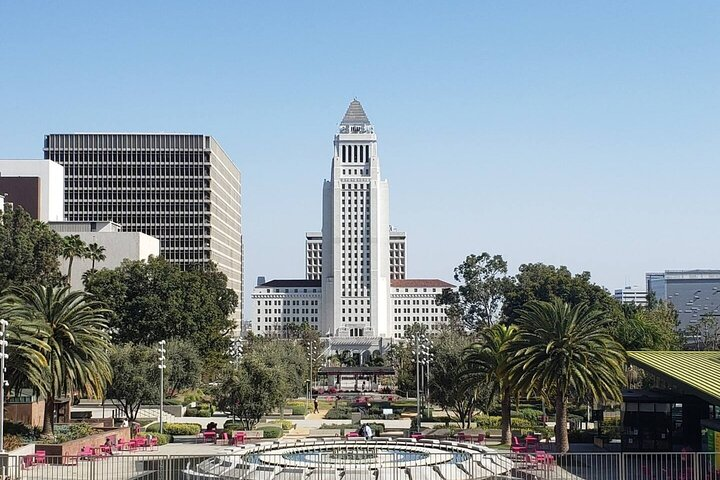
x=696 y=373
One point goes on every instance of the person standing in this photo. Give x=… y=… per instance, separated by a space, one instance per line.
x=315 y=404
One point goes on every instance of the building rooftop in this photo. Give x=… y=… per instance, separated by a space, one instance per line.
x=355 y=115
x=694 y=373
x=420 y=282
x=290 y=283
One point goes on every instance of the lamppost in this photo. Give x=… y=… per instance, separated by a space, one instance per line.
x=427 y=357
x=161 y=366
x=310 y=356
x=416 y=337
x=3 y=357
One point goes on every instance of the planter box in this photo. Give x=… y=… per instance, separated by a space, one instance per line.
x=73 y=447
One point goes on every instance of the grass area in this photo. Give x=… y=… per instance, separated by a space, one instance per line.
x=322 y=404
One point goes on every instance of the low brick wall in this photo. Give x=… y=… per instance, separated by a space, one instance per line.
x=73 y=447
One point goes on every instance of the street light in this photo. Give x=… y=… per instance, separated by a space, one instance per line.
x=236 y=351
x=3 y=357
x=311 y=355
x=161 y=366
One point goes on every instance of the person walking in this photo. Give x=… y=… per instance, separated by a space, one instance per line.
x=315 y=404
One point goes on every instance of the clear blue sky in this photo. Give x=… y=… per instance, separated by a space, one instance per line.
x=577 y=133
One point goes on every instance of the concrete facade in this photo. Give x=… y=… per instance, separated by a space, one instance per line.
x=693 y=293
x=45 y=201
x=179 y=188
x=118 y=245
x=633 y=295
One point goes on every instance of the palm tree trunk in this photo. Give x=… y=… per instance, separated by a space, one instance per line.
x=70 y=262
x=505 y=430
x=561 y=433
x=49 y=417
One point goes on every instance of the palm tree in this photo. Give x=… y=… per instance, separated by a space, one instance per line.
x=73 y=247
x=487 y=361
x=77 y=339
x=26 y=348
x=96 y=253
x=566 y=352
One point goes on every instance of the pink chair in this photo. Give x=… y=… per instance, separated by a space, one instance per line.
x=87 y=453
x=27 y=461
x=481 y=438
x=517 y=447
x=40 y=456
x=351 y=435
x=239 y=438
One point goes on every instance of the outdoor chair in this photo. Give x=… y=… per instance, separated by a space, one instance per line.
x=481 y=438
x=517 y=447
x=87 y=453
x=224 y=440
x=40 y=456
x=239 y=438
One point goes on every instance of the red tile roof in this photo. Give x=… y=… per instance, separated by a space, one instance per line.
x=420 y=282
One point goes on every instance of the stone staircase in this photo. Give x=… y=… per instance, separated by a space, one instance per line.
x=154 y=413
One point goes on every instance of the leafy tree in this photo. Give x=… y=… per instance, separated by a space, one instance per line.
x=184 y=366
x=537 y=281
x=478 y=299
x=96 y=253
x=487 y=360
x=251 y=391
x=651 y=328
x=29 y=251
x=154 y=300
x=448 y=385
x=565 y=353
x=73 y=247
x=135 y=377
x=78 y=342
x=705 y=332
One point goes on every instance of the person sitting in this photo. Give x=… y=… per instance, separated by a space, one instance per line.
x=367 y=431
x=108 y=446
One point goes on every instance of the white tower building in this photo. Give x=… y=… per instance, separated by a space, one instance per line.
x=356 y=234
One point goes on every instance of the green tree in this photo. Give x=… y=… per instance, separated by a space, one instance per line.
x=705 y=333
x=135 y=377
x=184 y=366
x=29 y=251
x=565 y=353
x=155 y=300
x=487 y=360
x=96 y=253
x=479 y=297
x=651 y=328
x=78 y=342
x=448 y=386
x=537 y=281
x=250 y=392
x=73 y=247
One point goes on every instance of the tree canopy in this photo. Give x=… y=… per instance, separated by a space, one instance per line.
x=154 y=300
x=136 y=377
x=483 y=283
x=29 y=251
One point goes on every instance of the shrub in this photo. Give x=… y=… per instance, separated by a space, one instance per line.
x=531 y=414
x=284 y=424
x=271 y=431
x=176 y=428
x=73 y=431
x=162 y=438
x=204 y=412
x=492 y=421
x=299 y=410
x=339 y=413
x=191 y=412
x=13 y=441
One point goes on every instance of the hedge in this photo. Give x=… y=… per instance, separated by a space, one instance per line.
x=162 y=438
x=176 y=428
x=271 y=431
x=299 y=410
x=492 y=421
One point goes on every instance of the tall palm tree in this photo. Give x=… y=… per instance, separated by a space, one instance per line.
x=73 y=247
x=565 y=353
x=96 y=253
x=78 y=343
x=26 y=348
x=487 y=360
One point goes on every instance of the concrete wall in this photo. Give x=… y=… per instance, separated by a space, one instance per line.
x=52 y=184
x=27 y=413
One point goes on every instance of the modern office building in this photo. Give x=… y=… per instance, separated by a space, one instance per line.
x=182 y=189
x=118 y=246
x=34 y=185
x=693 y=293
x=357 y=264
x=633 y=295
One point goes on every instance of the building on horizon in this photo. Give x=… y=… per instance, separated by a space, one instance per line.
x=356 y=265
x=119 y=246
x=182 y=189
x=632 y=295
x=34 y=185
x=693 y=293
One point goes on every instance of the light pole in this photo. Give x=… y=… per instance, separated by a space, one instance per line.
x=161 y=366
x=310 y=356
x=236 y=351
x=417 y=380
x=426 y=362
x=3 y=357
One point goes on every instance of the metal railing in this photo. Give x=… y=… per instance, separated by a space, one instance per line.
x=375 y=463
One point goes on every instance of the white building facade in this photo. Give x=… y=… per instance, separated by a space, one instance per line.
x=353 y=264
x=118 y=246
x=633 y=295
x=50 y=186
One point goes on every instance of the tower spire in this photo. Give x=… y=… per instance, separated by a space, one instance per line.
x=355 y=115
